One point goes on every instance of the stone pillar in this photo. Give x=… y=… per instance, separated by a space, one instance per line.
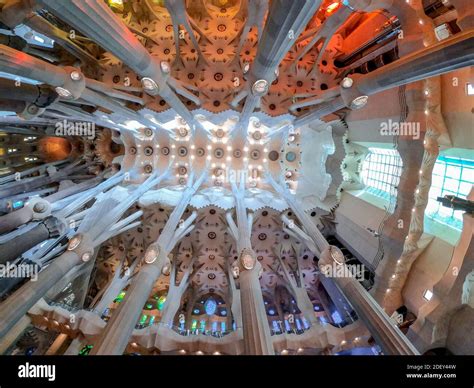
x=176 y=292
x=15 y=219
x=49 y=228
x=256 y=330
x=18 y=304
x=9 y=338
x=448 y=55
x=27 y=185
x=387 y=335
x=117 y=333
x=56 y=345
x=285 y=21
x=383 y=329
x=97 y=21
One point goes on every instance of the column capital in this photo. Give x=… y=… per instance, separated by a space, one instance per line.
x=247 y=261
x=82 y=245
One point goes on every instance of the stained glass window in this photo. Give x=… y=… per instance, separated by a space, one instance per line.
x=276 y=327
x=381 y=172
x=451 y=176
x=161 y=302
x=298 y=324
x=336 y=317
x=85 y=350
x=210 y=306
x=120 y=297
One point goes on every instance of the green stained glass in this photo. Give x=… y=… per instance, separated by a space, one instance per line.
x=194 y=324
x=120 y=297
x=161 y=302
x=143 y=319
x=85 y=350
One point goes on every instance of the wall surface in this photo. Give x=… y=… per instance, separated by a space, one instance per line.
x=353 y=216
x=427 y=270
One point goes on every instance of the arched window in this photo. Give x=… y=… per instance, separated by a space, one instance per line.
x=451 y=176
x=381 y=172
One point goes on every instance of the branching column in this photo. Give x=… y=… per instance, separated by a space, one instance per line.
x=97 y=21
x=384 y=330
x=116 y=334
x=176 y=292
x=297 y=288
x=256 y=331
x=100 y=223
x=381 y=326
x=51 y=227
x=116 y=285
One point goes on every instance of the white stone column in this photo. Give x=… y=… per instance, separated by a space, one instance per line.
x=256 y=330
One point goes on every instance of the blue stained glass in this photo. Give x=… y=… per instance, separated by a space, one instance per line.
x=17 y=204
x=287 y=325
x=214 y=326
x=210 y=306
x=276 y=327
x=336 y=317
x=298 y=324
x=223 y=326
